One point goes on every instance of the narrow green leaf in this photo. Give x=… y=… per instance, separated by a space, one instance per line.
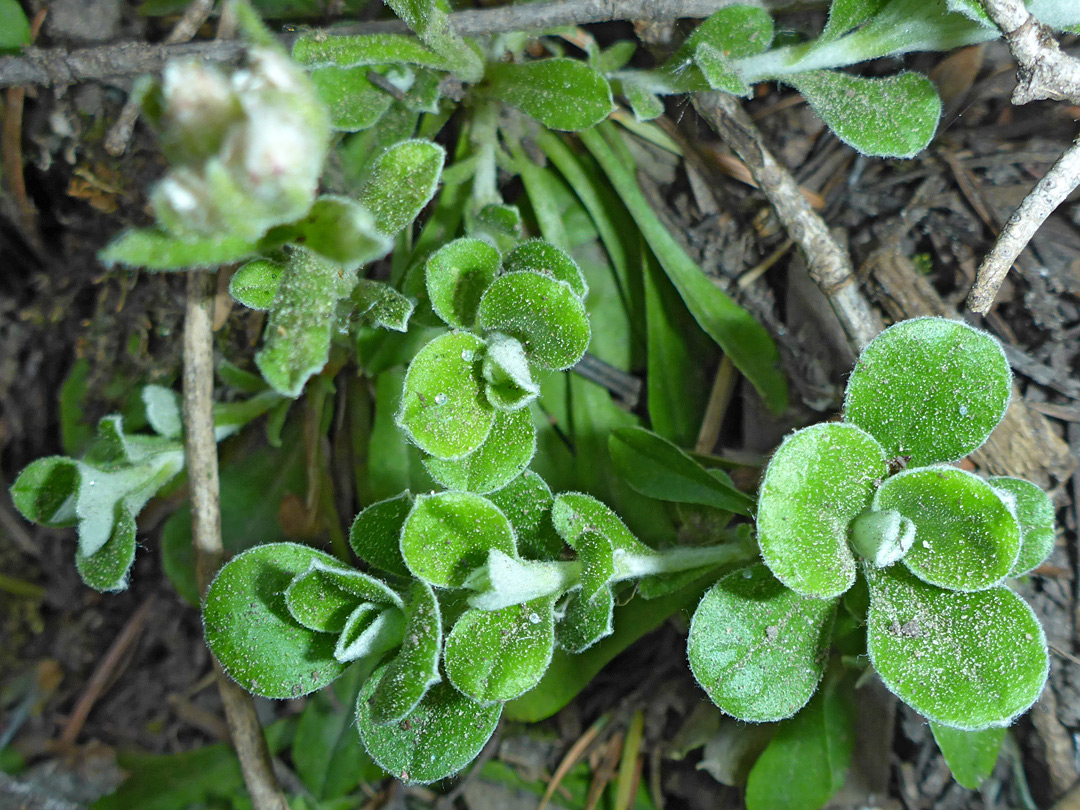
x=154 y=249
x=402 y=181
x=431 y=22
x=449 y=534
x=1035 y=514
x=444 y=733
x=375 y=535
x=502 y=457
x=758 y=648
x=816 y=483
x=893 y=116
x=929 y=389
x=847 y=14
x=970 y=755
x=268 y=653
x=367 y=49
x=732 y=327
x=966 y=538
x=658 y=469
x=965 y=660
x=494 y=656
x=560 y=93
x=415 y=668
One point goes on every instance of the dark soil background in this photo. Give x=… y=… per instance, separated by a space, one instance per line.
x=916 y=229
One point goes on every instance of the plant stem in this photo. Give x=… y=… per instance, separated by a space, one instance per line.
x=484 y=137
x=681 y=558
x=202 y=464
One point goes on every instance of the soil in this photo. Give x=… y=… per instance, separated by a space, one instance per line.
x=916 y=229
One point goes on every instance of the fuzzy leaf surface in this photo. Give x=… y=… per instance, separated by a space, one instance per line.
x=342 y=231
x=353 y=101
x=367 y=49
x=255 y=285
x=402 y=182
x=268 y=653
x=443 y=409
x=542 y=313
x=560 y=93
x=107 y=568
x=930 y=389
x=502 y=457
x=375 y=535
x=322 y=597
x=510 y=385
x=416 y=666
x=965 y=660
x=757 y=648
x=382 y=305
x=538 y=256
x=893 y=116
x=586 y=621
x=442 y=735
x=526 y=501
x=659 y=469
x=1035 y=514
x=575 y=513
x=456 y=276
x=449 y=534
x=369 y=631
x=966 y=539
x=816 y=483
x=153 y=249
x=847 y=14
x=494 y=656
x=970 y=755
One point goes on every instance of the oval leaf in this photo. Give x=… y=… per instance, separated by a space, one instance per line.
x=448 y=535
x=965 y=660
x=502 y=457
x=353 y=101
x=375 y=535
x=369 y=631
x=402 y=182
x=541 y=312
x=45 y=491
x=444 y=733
x=758 y=648
x=894 y=116
x=456 y=276
x=416 y=666
x=816 y=483
x=966 y=539
x=929 y=389
x=586 y=621
x=443 y=409
x=559 y=93
x=493 y=656
x=575 y=513
x=970 y=755
x=1035 y=514
x=538 y=256
x=268 y=653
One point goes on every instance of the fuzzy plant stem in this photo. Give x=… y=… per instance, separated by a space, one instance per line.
x=202 y=464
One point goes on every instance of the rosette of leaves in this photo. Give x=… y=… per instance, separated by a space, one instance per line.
x=467 y=392
x=874 y=499
x=103 y=492
x=467 y=599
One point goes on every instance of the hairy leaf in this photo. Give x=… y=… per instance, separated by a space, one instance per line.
x=456 y=276
x=155 y=249
x=502 y=457
x=367 y=49
x=322 y=597
x=106 y=569
x=375 y=535
x=382 y=305
x=255 y=285
x=353 y=101
x=369 y=631
x=586 y=621
x=538 y=256
x=526 y=501
x=510 y=385
x=1035 y=514
x=415 y=668
x=340 y=230
x=402 y=182
x=559 y=93
x=970 y=755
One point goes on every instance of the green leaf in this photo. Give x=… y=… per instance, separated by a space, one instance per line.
x=502 y=457
x=443 y=734
x=542 y=313
x=586 y=621
x=341 y=230
x=255 y=285
x=375 y=535
x=382 y=305
x=153 y=249
x=575 y=513
x=847 y=14
x=929 y=389
x=526 y=501
x=416 y=666
x=180 y=781
x=965 y=660
x=970 y=755
x=163 y=411
x=1035 y=513
x=449 y=534
x=966 y=538
x=14 y=27
x=443 y=409
x=719 y=73
x=456 y=276
x=322 y=597
x=368 y=632
x=496 y=223
x=327 y=753
x=882 y=538
x=493 y=656
x=268 y=653
x=972 y=9
x=645 y=104
x=297 y=337
x=45 y=491
x=735 y=31
x=510 y=385
x=560 y=93
x=353 y=101
x=757 y=648
x=807 y=760
x=614 y=57
x=368 y=49
x=658 y=469
x=817 y=482
x=893 y=116
x=538 y=256
x=431 y=22
x=402 y=182
x=733 y=328
x=106 y=569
